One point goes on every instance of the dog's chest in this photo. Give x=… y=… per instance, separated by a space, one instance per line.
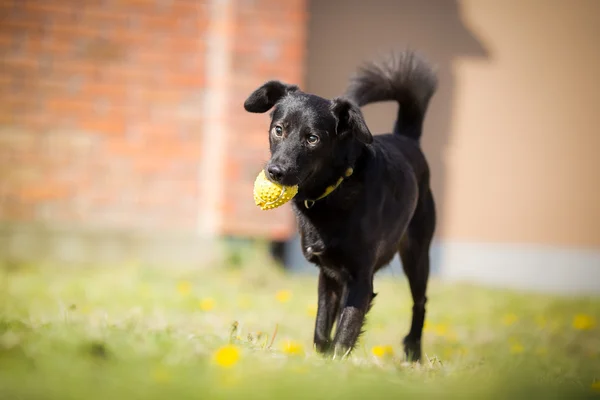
x=328 y=261
x=326 y=251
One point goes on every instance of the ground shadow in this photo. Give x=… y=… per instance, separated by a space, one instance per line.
x=343 y=33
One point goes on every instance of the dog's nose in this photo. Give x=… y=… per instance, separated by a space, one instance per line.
x=275 y=172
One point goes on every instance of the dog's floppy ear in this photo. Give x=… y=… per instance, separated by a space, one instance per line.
x=350 y=120
x=265 y=97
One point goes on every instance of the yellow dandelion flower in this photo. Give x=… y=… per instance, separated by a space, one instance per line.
x=161 y=375
x=311 y=310
x=596 y=386
x=509 y=319
x=227 y=356
x=378 y=351
x=207 y=304
x=517 y=348
x=441 y=329
x=583 y=322
x=292 y=348
x=382 y=351
x=184 y=288
x=283 y=296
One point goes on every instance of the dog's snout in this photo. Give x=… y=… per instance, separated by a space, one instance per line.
x=275 y=172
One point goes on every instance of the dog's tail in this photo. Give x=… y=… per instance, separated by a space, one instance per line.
x=404 y=77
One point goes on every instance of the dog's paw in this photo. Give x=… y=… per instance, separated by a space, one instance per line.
x=323 y=347
x=412 y=349
x=341 y=352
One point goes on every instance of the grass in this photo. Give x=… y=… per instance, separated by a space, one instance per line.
x=140 y=333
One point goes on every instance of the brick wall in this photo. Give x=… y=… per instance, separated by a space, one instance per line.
x=269 y=45
x=127 y=114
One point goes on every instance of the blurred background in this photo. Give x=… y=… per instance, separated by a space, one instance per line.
x=135 y=264
x=123 y=137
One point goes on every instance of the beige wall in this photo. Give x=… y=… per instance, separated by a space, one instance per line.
x=513 y=132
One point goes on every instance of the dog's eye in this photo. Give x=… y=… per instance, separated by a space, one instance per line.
x=312 y=139
x=278 y=130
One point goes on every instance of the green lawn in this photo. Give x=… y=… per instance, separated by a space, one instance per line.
x=140 y=333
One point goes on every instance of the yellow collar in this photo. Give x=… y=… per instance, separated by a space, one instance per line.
x=310 y=203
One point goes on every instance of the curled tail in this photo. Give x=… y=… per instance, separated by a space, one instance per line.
x=405 y=78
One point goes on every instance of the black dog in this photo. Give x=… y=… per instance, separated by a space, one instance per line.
x=360 y=199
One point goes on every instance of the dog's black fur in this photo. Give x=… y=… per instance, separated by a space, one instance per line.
x=385 y=206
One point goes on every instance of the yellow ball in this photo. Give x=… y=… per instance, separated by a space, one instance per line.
x=268 y=195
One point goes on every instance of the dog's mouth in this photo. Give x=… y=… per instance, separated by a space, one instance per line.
x=301 y=182
x=306 y=180
x=290 y=179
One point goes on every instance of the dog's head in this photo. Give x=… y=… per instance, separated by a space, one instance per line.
x=308 y=134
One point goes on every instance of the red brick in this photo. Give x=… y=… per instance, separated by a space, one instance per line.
x=49 y=7
x=148 y=165
x=7 y=117
x=144 y=137
x=51 y=88
x=21 y=62
x=39 y=192
x=7 y=5
x=6 y=39
x=112 y=13
x=167 y=150
x=75 y=30
x=123 y=147
x=21 y=25
x=109 y=125
x=184 y=8
x=74 y=67
x=34 y=121
x=6 y=82
x=167 y=95
x=162 y=22
x=145 y=4
x=132 y=38
x=186 y=80
x=94 y=89
x=16 y=103
x=149 y=56
x=129 y=74
x=68 y=106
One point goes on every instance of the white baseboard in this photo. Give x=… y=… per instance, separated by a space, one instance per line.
x=529 y=267
x=537 y=268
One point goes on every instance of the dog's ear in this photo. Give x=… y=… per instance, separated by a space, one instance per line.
x=350 y=120
x=265 y=97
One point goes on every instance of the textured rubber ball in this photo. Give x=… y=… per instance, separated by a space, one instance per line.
x=269 y=195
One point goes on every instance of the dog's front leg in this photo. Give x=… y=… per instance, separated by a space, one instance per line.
x=360 y=292
x=330 y=292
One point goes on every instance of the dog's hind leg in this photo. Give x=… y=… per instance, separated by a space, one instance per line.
x=414 y=253
x=330 y=296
